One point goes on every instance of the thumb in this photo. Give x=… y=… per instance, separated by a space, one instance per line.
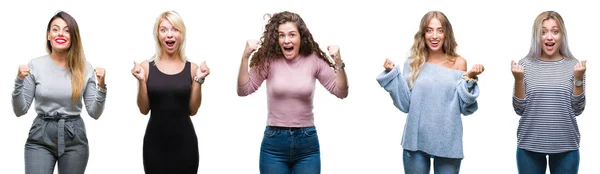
x=583 y=61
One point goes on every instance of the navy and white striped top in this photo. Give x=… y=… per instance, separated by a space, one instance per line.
x=548 y=111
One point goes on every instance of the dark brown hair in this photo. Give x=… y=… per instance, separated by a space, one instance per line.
x=270 y=49
x=75 y=57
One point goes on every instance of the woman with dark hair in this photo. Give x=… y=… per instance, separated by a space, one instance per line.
x=290 y=61
x=58 y=82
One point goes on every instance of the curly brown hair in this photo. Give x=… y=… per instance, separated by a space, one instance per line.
x=270 y=49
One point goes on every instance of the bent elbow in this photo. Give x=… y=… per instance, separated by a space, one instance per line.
x=144 y=111
x=193 y=112
x=242 y=93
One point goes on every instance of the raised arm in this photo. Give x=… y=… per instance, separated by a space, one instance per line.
x=249 y=80
x=140 y=72
x=392 y=80
x=198 y=76
x=94 y=95
x=578 y=99
x=24 y=91
x=334 y=82
x=468 y=90
x=518 y=98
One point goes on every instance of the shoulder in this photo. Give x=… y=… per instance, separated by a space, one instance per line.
x=193 y=68
x=524 y=60
x=39 y=60
x=460 y=63
x=193 y=65
x=146 y=63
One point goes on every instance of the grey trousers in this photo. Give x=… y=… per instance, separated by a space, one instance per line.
x=54 y=139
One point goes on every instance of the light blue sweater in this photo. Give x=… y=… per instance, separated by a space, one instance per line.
x=434 y=106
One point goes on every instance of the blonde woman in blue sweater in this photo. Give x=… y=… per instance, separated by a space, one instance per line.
x=434 y=88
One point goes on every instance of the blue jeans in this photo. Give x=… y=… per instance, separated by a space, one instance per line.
x=290 y=150
x=418 y=162
x=529 y=162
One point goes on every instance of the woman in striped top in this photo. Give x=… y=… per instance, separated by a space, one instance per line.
x=548 y=95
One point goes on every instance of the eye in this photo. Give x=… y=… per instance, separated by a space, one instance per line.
x=555 y=32
x=429 y=30
x=163 y=30
x=281 y=35
x=175 y=29
x=54 y=30
x=543 y=32
x=440 y=31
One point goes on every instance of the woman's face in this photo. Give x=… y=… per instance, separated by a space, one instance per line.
x=169 y=37
x=551 y=38
x=59 y=35
x=289 y=40
x=434 y=35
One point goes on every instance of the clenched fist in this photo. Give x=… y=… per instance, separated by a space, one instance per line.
x=517 y=71
x=23 y=71
x=475 y=70
x=334 y=52
x=100 y=74
x=579 y=70
x=251 y=46
x=138 y=72
x=202 y=70
x=388 y=64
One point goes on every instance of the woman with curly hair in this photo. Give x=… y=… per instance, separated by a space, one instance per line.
x=290 y=61
x=435 y=89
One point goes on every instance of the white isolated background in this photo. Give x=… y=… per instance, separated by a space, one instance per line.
x=360 y=134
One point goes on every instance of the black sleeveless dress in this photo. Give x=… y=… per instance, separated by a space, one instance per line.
x=170 y=143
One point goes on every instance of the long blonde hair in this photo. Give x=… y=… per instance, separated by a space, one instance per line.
x=75 y=57
x=420 y=50
x=176 y=20
x=535 y=50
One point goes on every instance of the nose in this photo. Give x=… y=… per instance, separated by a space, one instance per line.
x=548 y=36
x=435 y=35
x=286 y=39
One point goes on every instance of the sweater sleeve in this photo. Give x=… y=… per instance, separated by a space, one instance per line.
x=519 y=104
x=94 y=97
x=24 y=92
x=578 y=101
x=394 y=83
x=327 y=77
x=253 y=83
x=468 y=100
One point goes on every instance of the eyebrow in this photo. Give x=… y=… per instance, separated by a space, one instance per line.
x=66 y=26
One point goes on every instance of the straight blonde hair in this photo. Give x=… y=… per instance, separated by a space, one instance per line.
x=176 y=20
x=535 y=50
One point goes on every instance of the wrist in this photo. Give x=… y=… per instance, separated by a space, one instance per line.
x=199 y=80
x=340 y=66
x=469 y=79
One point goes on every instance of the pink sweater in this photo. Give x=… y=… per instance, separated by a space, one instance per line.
x=290 y=89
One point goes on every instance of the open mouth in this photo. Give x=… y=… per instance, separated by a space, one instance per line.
x=60 y=40
x=288 y=49
x=549 y=46
x=435 y=43
x=170 y=43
